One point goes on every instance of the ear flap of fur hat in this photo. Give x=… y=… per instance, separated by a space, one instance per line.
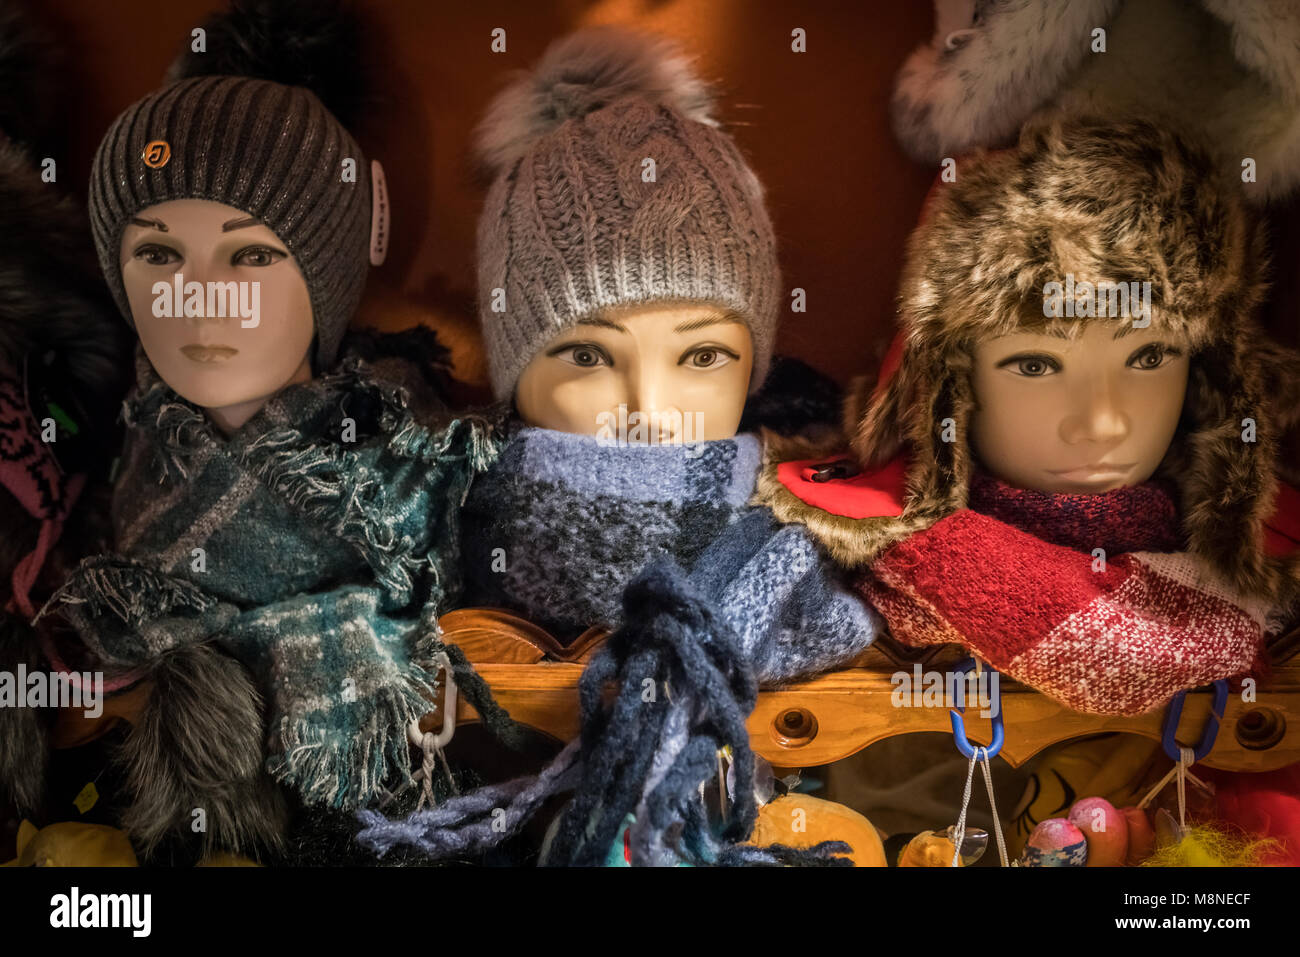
x=1114 y=202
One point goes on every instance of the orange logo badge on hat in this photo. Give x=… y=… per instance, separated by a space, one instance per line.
x=156 y=154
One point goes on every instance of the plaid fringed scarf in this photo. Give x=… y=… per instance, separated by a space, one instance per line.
x=1087 y=598
x=709 y=598
x=317 y=545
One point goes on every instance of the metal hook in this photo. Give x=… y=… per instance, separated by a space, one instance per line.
x=1175 y=713
x=964 y=745
x=444 y=736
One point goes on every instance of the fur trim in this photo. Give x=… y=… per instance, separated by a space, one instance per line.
x=1112 y=202
x=852 y=542
x=198 y=745
x=1224 y=72
x=24 y=744
x=975 y=87
x=578 y=75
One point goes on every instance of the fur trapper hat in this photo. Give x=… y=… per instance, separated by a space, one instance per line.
x=1116 y=203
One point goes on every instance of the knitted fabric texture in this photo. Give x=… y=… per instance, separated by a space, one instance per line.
x=760 y=605
x=577 y=519
x=31 y=474
x=318 y=559
x=575 y=224
x=1076 y=614
x=273 y=151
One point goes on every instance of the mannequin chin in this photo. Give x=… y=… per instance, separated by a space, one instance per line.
x=1086 y=414
x=237 y=326
x=680 y=370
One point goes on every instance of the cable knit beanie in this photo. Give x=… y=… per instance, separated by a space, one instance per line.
x=271 y=150
x=574 y=222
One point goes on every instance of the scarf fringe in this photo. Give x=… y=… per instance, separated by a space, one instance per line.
x=132 y=593
x=325 y=770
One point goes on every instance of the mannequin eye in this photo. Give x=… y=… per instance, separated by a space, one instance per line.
x=257 y=256
x=708 y=357
x=583 y=355
x=1152 y=356
x=152 y=254
x=1033 y=366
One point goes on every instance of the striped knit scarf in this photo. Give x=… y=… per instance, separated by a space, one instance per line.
x=1087 y=598
x=317 y=545
x=559 y=524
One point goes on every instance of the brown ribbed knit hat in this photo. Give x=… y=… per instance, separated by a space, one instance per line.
x=571 y=227
x=270 y=150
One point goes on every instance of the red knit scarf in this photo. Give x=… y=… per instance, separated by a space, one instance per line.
x=1087 y=598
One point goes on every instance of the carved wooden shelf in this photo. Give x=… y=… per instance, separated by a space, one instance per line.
x=828 y=718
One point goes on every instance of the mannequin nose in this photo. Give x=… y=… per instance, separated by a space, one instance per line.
x=651 y=397
x=211 y=272
x=1097 y=418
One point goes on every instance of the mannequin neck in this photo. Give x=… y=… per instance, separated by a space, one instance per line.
x=230 y=418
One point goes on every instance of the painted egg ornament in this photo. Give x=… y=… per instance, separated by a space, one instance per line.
x=1055 y=843
x=1104 y=828
x=1141 y=836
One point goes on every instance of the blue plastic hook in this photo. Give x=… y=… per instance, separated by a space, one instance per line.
x=959 y=722
x=1175 y=714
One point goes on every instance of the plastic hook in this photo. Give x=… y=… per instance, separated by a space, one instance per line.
x=964 y=745
x=1174 y=715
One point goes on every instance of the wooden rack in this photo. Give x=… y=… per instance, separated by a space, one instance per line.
x=831 y=717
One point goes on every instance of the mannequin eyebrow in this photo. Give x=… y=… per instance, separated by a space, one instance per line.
x=691 y=325
x=157 y=224
x=241 y=223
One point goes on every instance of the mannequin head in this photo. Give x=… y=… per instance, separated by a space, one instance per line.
x=231 y=181
x=230 y=347
x=681 y=369
x=1085 y=413
x=621 y=216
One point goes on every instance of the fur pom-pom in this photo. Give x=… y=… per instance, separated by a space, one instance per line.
x=311 y=43
x=581 y=73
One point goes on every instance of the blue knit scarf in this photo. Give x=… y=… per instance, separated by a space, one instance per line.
x=708 y=597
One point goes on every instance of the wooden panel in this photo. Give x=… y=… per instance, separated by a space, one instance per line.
x=852 y=709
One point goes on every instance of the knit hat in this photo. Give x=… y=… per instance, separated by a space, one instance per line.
x=269 y=149
x=575 y=222
x=1115 y=202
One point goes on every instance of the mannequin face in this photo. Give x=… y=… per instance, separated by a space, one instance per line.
x=230 y=264
x=1082 y=415
x=681 y=370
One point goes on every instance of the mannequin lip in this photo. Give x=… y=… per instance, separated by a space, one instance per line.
x=1102 y=471
x=208 y=354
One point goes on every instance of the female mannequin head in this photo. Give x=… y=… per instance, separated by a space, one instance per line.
x=627 y=265
x=232 y=219
x=244 y=328
x=1007 y=360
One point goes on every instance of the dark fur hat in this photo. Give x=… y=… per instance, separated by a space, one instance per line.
x=1112 y=202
